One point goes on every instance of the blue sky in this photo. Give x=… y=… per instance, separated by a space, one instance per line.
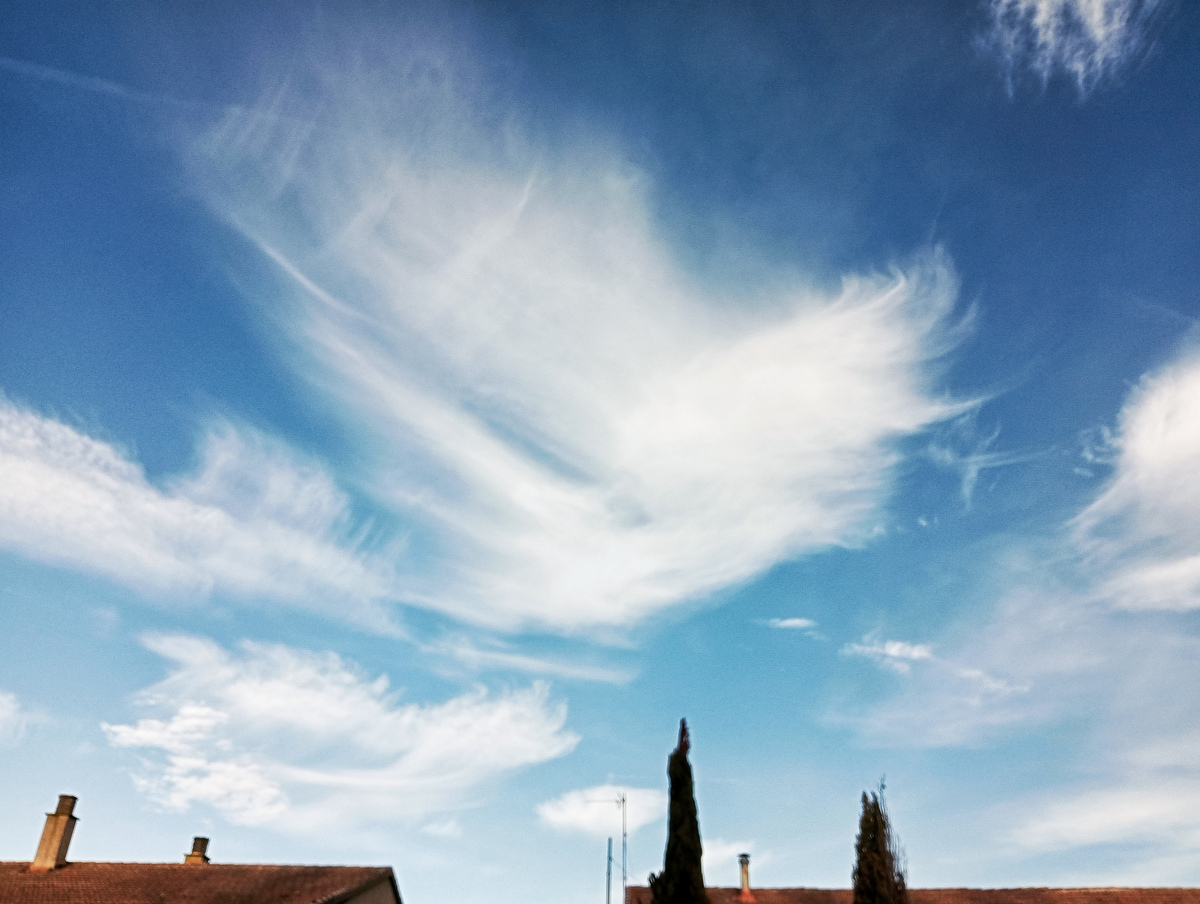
x=409 y=412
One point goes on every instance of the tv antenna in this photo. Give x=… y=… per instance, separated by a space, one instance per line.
x=621 y=801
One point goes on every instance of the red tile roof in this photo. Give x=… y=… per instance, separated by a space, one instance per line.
x=640 y=894
x=177 y=883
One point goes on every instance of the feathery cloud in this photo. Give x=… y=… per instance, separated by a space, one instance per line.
x=581 y=433
x=305 y=742
x=1106 y=637
x=1090 y=41
x=1143 y=531
x=252 y=521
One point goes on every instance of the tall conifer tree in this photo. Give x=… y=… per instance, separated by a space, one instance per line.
x=878 y=873
x=681 y=880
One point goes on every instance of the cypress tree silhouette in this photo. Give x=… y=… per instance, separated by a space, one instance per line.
x=878 y=873
x=681 y=880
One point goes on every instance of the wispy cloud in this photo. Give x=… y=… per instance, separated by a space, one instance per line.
x=586 y=433
x=897 y=655
x=1102 y=638
x=1150 y=797
x=1064 y=627
x=1143 y=532
x=91 y=84
x=252 y=521
x=13 y=719
x=1089 y=41
x=305 y=741
x=962 y=449
x=503 y=658
x=1162 y=813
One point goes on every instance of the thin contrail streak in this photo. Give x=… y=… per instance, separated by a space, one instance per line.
x=90 y=83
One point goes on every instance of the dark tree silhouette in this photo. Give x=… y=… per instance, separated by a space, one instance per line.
x=681 y=880
x=878 y=873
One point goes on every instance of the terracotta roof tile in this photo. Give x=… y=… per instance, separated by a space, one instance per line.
x=158 y=883
x=640 y=894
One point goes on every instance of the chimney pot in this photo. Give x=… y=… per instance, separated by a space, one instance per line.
x=746 y=896
x=199 y=851
x=56 y=836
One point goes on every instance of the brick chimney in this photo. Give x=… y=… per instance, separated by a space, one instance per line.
x=56 y=836
x=746 y=895
x=198 y=854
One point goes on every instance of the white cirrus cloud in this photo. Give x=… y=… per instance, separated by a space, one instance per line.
x=580 y=432
x=1058 y=636
x=502 y=658
x=252 y=521
x=1097 y=639
x=306 y=742
x=13 y=719
x=596 y=810
x=1144 y=787
x=1087 y=40
x=1142 y=533
x=1141 y=545
x=1158 y=812
x=897 y=655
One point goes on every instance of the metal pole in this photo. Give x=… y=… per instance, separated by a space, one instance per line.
x=624 y=851
x=608 y=876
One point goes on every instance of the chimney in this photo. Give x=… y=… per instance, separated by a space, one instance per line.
x=198 y=855
x=746 y=895
x=56 y=836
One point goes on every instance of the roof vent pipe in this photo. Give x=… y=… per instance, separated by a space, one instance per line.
x=56 y=836
x=199 y=849
x=746 y=895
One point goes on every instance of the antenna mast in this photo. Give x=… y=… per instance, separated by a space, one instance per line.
x=624 y=848
x=622 y=802
x=608 y=876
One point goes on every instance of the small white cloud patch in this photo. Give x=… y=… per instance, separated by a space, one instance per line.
x=897 y=655
x=793 y=624
x=448 y=828
x=13 y=719
x=596 y=811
